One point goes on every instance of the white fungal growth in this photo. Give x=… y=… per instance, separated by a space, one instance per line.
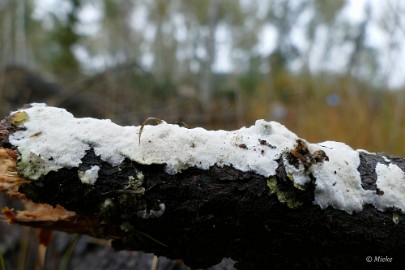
x=90 y=176
x=391 y=181
x=146 y=214
x=298 y=175
x=338 y=182
x=107 y=203
x=64 y=140
x=61 y=141
x=386 y=159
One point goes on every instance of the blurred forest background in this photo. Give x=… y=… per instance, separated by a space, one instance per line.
x=327 y=69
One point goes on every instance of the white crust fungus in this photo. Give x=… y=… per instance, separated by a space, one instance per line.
x=391 y=181
x=338 y=182
x=64 y=139
x=147 y=214
x=51 y=138
x=90 y=176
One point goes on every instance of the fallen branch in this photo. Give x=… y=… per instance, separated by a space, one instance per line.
x=260 y=195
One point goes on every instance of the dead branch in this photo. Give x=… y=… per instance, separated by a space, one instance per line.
x=260 y=195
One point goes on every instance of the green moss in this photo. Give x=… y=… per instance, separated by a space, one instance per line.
x=200 y=218
x=284 y=196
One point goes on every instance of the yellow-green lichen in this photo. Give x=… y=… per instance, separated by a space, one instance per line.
x=182 y=165
x=33 y=168
x=19 y=118
x=135 y=183
x=283 y=196
x=272 y=184
x=395 y=218
x=296 y=185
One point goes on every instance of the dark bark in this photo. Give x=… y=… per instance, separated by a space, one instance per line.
x=223 y=212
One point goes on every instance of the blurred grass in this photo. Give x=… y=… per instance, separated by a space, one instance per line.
x=316 y=107
x=2 y=265
x=362 y=117
x=68 y=253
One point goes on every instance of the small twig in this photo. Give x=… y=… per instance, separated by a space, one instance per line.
x=150 y=237
x=154 y=263
x=157 y=120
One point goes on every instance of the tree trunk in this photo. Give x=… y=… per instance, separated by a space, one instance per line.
x=260 y=195
x=206 y=82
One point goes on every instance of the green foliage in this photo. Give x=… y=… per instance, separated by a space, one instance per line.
x=63 y=38
x=111 y=9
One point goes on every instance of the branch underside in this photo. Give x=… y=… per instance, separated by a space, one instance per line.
x=220 y=213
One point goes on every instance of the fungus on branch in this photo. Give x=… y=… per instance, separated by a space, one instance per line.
x=158 y=192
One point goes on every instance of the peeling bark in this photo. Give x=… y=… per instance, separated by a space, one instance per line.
x=260 y=222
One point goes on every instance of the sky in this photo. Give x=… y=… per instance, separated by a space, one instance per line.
x=393 y=63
